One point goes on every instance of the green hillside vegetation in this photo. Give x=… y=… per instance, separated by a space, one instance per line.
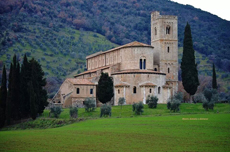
x=200 y=132
x=120 y=21
x=60 y=33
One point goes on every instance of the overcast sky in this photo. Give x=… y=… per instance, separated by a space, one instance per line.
x=217 y=7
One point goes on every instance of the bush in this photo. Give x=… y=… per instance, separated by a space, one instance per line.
x=199 y=98
x=168 y=104
x=152 y=101
x=173 y=104
x=56 y=111
x=208 y=105
x=73 y=111
x=105 y=110
x=138 y=108
x=90 y=104
x=179 y=96
x=211 y=96
x=121 y=101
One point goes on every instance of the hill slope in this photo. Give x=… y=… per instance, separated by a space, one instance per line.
x=48 y=30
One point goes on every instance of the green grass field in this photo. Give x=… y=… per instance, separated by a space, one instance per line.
x=193 y=129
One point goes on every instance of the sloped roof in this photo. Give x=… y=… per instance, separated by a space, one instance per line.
x=148 y=84
x=122 y=85
x=93 y=70
x=80 y=81
x=132 y=44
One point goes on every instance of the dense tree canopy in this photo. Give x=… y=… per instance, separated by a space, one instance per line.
x=105 y=88
x=26 y=94
x=188 y=66
x=3 y=98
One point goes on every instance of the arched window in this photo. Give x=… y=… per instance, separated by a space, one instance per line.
x=155 y=31
x=118 y=91
x=155 y=69
x=168 y=29
x=150 y=90
x=168 y=49
x=159 y=90
x=168 y=70
x=134 y=90
x=78 y=91
x=142 y=63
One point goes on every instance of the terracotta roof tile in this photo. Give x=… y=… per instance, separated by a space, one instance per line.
x=91 y=71
x=122 y=85
x=80 y=81
x=148 y=84
x=132 y=44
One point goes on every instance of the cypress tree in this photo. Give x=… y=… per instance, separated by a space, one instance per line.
x=33 y=109
x=38 y=80
x=105 y=88
x=188 y=66
x=214 y=82
x=3 y=98
x=15 y=86
x=9 y=97
x=25 y=96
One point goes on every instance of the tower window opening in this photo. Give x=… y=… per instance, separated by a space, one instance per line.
x=168 y=49
x=155 y=69
x=168 y=70
x=91 y=91
x=144 y=64
x=168 y=30
x=159 y=90
x=78 y=91
x=140 y=63
x=118 y=91
x=150 y=90
x=134 y=90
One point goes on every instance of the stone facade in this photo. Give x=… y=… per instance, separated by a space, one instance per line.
x=138 y=69
x=73 y=92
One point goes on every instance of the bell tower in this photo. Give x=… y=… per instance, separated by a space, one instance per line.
x=164 y=38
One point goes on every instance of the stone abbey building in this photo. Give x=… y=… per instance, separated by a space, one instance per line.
x=138 y=69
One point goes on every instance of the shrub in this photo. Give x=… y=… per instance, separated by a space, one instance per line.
x=199 y=98
x=168 y=104
x=208 y=105
x=179 y=96
x=90 y=104
x=211 y=96
x=173 y=105
x=73 y=111
x=105 y=110
x=121 y=101
x=152 y=101
x=56 y=111
x=138 y=108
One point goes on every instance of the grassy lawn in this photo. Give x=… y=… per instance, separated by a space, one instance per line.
x=205 y=132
